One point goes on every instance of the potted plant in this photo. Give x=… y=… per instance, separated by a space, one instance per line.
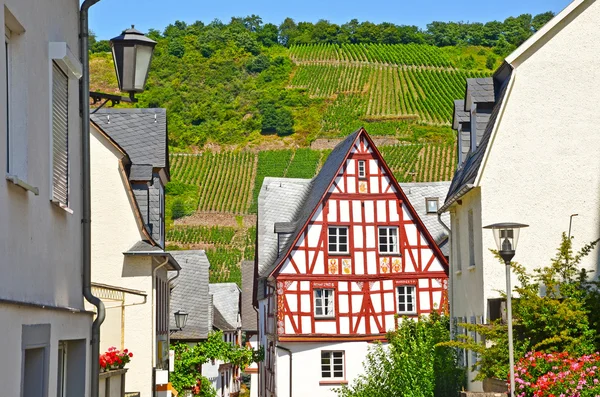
x=114 y=359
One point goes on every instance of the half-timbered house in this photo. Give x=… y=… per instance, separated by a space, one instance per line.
x=338 y=257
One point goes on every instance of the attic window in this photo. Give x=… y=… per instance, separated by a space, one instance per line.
x=362 y=172
x=431 y=205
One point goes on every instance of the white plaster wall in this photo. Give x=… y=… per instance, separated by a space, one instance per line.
x=63 y=326
x=39 y=242
x=306 y=367
x=544 y=163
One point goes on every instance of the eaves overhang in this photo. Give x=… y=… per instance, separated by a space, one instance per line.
x=455 y=197
x=174 y=265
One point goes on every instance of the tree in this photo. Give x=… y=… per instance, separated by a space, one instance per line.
x=412 y=365
x=490 y=62
x=541 y=19
x=287 y=30
x=556 y=321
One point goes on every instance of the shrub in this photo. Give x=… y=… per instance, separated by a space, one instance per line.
x=490 y=62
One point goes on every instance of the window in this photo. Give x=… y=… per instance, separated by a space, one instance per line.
x=456 y=231
x=7 y=63
x=388 y=240
x=432 y=205
x=61 y=381
x=324 y=303
x=362 y=171
x=471 y=240
x=332 y=364
x=406 y=299
x=60 y=136
x=338 y=240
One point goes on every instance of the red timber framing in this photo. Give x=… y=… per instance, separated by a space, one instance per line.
x=364 y=281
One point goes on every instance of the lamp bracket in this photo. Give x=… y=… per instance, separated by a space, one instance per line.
x=115 y=99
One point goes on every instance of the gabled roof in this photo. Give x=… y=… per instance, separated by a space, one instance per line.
x=141 y=133
x=249 y=315
x=319 y=186
x=466 y=175
x=479 y=90
x=460 y=115
x=145 y=248
x=417 y=193
x=226 y=304
x=189 y=293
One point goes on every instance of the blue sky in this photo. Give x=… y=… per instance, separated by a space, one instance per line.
x=109 y=17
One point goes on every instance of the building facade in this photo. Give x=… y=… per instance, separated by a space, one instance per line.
x=535 y=161
x=43 y=322
x=339 y=257
x=129 y=169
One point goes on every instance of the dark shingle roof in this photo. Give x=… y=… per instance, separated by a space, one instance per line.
x=249 y=320
x=190 y=294
x=467 y=174
x=140 y=172
x=318 y=187
x=460 y=115
x=479 y=90
x=226 y=304
x=141 y=133
x=417 y=193
x=144 y=246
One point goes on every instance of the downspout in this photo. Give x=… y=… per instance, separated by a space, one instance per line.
x=290 y=353
x=439 y=216
x=84 y=92
x=154 y=312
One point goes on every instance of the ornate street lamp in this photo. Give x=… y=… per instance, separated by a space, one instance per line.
x=507 y=237
x=132 y=54
x=180 y=320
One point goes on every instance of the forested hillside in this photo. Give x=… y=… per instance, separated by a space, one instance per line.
x=247 y=100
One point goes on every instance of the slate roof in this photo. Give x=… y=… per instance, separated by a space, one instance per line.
x=189 y=293
x=144 y=246
x=141 y=133
x=226 y=305
x=417 y=192
x=467 y=174
x=249 y=315
x=479 y=90
x=460 y=114
x=317 y=188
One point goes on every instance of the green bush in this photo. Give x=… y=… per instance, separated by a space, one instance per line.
x=490 y=62
x=412 y=365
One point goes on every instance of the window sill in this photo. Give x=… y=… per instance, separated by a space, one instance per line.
x=342 y=254
x=329 y=318
x=412 y=314
x=471 y=268
x=458 y=272
x=22 y=184
x=333 y=382
x=391 y=254
x=62 y=206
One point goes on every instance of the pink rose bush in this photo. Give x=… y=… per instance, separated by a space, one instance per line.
x=557 y=375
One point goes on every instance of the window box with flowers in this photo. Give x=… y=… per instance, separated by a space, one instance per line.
x=112 y=372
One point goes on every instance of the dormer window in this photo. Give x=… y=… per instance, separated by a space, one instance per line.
x=431 y=205
x=362 y=170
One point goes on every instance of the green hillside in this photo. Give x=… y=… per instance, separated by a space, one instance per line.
x=248 y=100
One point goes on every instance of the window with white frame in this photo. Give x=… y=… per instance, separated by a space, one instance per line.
x=388 y=240
x=324 y=302
x=61 y=382
x=456 y=240
x=338 y=239
x=362 y=169
x=332 y=364
x=431 y=205
x=471 y=239
x=407 y=302
x=60 y=136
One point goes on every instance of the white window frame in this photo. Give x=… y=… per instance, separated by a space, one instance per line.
x=457 y=255
x=332 y=356
x=327 y=310
x=408 y=291
x=61 y=381
x=337 y=244
x=391 y=245
x=61 y=55
x=432 y=200
x=361 y=168
x=471 y=239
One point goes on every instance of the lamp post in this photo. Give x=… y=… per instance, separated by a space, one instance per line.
x=507 y=236
x=180 y=320
x=132 y=54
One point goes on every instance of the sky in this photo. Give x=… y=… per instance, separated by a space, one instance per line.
x=109 y=17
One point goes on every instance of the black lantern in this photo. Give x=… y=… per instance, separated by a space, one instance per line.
x=180 y=319
x=132 y=53
x=507 y=237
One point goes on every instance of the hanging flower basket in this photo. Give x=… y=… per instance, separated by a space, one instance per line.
x=114 y=359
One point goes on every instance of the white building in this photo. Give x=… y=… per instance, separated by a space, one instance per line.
x=129 y=169
x=250 y=322
x=43 y=322
x=532 y=157
x=339 y=256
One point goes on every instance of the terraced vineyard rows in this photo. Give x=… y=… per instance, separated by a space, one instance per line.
x=421 y=163
x=383 y=92
x=394 y=54
x=224 y=179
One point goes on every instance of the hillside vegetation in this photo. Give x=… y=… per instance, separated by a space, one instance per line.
x=248 y=100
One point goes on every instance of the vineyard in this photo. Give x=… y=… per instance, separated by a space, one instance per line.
x=374 y=93
x=421 y=163
x=391 y=54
